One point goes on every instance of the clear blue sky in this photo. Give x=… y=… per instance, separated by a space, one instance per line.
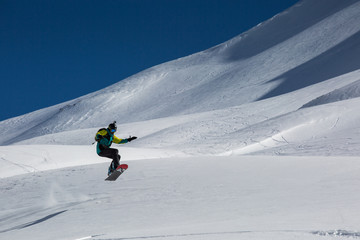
x=52 y=51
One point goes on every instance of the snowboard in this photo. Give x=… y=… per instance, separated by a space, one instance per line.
x=115 y=174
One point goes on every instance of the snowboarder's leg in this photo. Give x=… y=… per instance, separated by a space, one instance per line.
x=115 y=162
x=114 y=155
x=116 y=159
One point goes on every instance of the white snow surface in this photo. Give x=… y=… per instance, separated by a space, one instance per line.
x=256 y=138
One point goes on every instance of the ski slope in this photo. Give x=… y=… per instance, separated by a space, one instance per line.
x=187 y=198
x=256 y=138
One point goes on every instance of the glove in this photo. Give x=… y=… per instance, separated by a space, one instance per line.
x=131 y=138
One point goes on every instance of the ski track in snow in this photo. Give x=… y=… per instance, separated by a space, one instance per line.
x=29 y=224
x=222 y=235
x=25 y=167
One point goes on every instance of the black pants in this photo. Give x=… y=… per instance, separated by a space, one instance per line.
x=113 y=154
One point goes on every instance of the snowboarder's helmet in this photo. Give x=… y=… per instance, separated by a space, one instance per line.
x=113 y=127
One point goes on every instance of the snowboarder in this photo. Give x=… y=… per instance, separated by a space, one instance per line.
x=105 y=137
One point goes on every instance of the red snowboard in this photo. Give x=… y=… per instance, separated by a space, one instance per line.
x=115 y=174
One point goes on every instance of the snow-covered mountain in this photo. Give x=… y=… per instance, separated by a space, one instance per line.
x=307 y=55
x=284 y=91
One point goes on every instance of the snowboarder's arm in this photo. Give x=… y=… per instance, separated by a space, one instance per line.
x=120 y=141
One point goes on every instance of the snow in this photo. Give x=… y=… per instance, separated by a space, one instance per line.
x=256 y=138
x=186 y=198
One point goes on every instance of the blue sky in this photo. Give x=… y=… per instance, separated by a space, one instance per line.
x=53 y=51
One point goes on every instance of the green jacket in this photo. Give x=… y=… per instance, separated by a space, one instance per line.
x=105 y=138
